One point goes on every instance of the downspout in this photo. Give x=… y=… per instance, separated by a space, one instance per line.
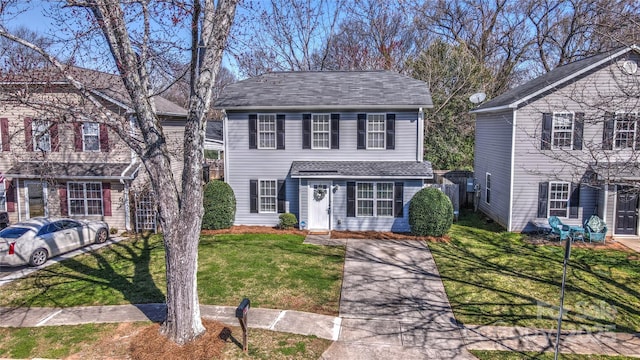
x=512 y=170
x=127 y=210
x=18 y=200
x=420 y=147
x=225 y=140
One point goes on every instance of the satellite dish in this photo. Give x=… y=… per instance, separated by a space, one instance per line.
x=630 y=67
x=477 y=98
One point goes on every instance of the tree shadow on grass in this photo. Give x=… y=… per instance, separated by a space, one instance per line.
x=494 y=282
x=89 y=279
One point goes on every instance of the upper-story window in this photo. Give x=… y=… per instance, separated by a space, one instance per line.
x=376 y=131
x=321 y=131
x=266 y=131
x=487 y=188
x=562 y=134
x=625 y=130
x=562 y=130
x=41 y=135
x=91 y=136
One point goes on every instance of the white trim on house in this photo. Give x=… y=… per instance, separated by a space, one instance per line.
x=515 y=104
x=420 y=150
x=512 y=169
x=333 y=108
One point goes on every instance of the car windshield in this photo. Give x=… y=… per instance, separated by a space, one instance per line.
x=13 y=232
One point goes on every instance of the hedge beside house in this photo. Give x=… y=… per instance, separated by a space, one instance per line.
x=430 y=213
x=219 y=206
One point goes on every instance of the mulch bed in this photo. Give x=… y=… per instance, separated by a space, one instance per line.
x=335 y=234
x=149 y=344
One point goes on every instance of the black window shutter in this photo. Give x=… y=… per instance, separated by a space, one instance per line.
x=543 y=197
x=282 y=196
x=398 y=199
x=280 y=131
x=578 y=127
x=253 y=196
x=306 y=131
x=547 y=122
x=253 y=131
x=351 y=199
x=335 y=131
x=362 y=131
x=607 y=132
x=391 y=131
x=637 y=146
x=574 y=201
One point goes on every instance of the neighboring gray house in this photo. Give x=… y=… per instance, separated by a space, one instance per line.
x=564 y=144
x=340 y=150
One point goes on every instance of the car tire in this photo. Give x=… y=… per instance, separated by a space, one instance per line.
x=38 y=257
x=102 y=235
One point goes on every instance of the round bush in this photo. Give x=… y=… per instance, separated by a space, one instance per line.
x=430 y=213
x=219 y=206
x=287 y=221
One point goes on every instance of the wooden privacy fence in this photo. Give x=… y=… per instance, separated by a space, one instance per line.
x=452 y=192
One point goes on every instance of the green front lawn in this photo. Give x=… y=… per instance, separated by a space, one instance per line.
x=274 y=271
x=508 y=355
x=494 y=277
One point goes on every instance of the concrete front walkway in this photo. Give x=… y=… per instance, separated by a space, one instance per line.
x=393 y=305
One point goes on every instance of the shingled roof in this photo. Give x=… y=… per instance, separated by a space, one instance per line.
x=326 y=90
x=555 y=78
x=362 y=169
x=108 y=86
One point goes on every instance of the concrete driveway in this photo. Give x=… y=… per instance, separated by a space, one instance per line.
x=9 y=274
x=393 y=305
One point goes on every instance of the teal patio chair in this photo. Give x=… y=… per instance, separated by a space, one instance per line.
x=596 y=229
x=558 y=228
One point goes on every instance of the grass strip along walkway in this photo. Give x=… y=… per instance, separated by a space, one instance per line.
x=273 y=270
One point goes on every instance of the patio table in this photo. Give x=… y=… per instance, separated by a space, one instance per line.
x=576 y=233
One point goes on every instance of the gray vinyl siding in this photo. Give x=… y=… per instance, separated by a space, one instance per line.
x=533 y=165
x=339 y=219
x=244 y=164
x=493 y=155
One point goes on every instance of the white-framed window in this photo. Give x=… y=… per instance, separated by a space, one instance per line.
x=376 y=131
x=625 y=130
x=266 y=131
x=41 y=135
x=374 y=199
x=487 y=188
x=267 y=196
x=84 y=198
x=3 y=196
x=91 y=136
x=559 y=198
x=562 y=130
x=321 y=131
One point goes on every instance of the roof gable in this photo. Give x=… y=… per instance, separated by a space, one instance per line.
x=107 y=86
x=519 y=95
x=326 y=89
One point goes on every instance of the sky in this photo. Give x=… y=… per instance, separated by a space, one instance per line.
x=33 y=15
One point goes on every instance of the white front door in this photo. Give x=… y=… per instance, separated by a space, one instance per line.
x=319 y=193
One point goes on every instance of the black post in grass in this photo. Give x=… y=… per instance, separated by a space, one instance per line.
x=567 y=253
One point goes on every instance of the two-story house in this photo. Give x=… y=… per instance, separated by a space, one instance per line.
x=339 y=149
x=62 y=155
x=564 y=144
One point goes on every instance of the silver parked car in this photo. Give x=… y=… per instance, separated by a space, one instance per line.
x=35 y=240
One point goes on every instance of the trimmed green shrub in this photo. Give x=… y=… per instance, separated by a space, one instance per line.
x=287 y=221
x=219 y=206
x=430 y=213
